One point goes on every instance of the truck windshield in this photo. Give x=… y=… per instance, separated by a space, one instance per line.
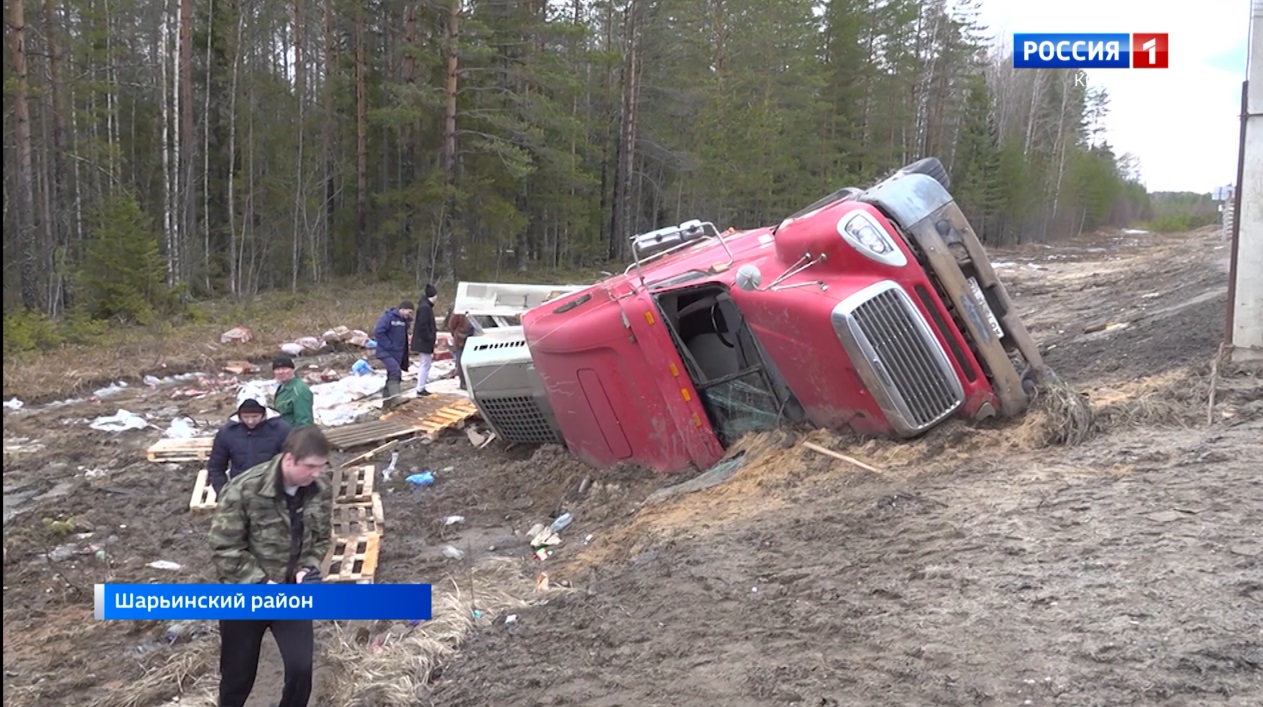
x=738 y=386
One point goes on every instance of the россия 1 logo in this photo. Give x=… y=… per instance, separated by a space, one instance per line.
x=1090 y=51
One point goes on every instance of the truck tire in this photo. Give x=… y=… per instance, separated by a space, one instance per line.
x=930 y=167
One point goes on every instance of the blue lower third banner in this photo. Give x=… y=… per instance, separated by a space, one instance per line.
x=322 y=602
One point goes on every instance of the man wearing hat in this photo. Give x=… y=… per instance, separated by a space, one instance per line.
x=251 y=440
x=293 y=397
x=391 y=334
x=425 y=336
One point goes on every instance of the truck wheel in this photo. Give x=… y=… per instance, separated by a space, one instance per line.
x=930 y=167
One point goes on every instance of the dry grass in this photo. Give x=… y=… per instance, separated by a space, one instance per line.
x=131 y=353
x=192 y=675
x=1175 y=398
x=391 y=663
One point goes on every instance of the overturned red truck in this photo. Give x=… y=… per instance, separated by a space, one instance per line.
x=870 y=310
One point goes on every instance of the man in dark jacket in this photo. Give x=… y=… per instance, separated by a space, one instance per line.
x=273 y=526
x=391 y=334
x=250 y=441
x=425 y=336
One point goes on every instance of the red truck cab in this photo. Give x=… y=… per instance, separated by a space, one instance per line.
x=870 y=311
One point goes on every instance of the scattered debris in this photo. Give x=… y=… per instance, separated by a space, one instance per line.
x=837 y=455
x=425 y=478
x=476 y=439
x=165 y=565
x=714 y=476
x=452 y=552
x=119 y=422
x=182 y=428
x=236 y=335
x=452 y=520
x=561 y=522
x=389 y=471
x=13 y=404
x=240 y=368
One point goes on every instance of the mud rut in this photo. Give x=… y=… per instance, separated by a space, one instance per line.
x=975 y=569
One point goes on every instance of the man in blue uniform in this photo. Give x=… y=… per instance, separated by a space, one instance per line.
x=391 y=334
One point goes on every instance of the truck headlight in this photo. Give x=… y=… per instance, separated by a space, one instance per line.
x=872 y=241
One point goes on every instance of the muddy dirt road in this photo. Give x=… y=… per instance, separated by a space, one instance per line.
x=980 y=567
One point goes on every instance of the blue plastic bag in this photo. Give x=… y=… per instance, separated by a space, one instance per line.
x=425 y=478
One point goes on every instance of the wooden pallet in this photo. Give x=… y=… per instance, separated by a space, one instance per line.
x=351 y=560
x=353 y=484
x=203 y=493
x=431 y=422
x=197 y=449
x=427 y=416
x=352 y=519
x=358 y=434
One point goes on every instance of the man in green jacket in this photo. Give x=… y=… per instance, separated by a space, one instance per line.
x=293 y=397
x=273 y=527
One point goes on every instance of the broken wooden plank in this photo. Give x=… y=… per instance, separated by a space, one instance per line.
x=387 y=447
x=843 y=457
x=203 y=493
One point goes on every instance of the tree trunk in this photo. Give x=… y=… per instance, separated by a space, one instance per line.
x=408 y=148
x=206 y=133
x=445 y=244
x=168 y=197
x=188 y=221
x=234 y=261
x=327 y=131
x=623 y=206
x=300 y=184
x=60 y=225
x=361 y=135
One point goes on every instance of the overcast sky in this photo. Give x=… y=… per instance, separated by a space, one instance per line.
x=1181 y=123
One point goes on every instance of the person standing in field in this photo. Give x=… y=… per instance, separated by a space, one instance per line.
x=424 y=337
x=391 y=334
x=293 y=397
x=273 y=526
x=461 y=327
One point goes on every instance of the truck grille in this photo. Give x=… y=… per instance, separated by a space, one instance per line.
x=910 y=363
x=518 y=419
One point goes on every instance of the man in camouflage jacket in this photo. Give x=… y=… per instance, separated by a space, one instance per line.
x=272 y=526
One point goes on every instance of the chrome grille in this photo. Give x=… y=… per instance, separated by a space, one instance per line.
x=907 y=359
x=518 y=419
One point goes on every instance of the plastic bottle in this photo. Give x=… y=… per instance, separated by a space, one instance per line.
x=562 y=521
